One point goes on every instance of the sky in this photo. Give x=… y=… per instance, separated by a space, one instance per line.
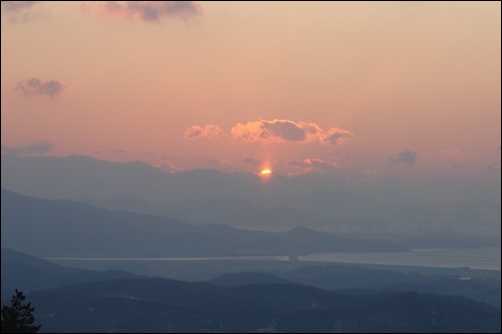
x=377 y=88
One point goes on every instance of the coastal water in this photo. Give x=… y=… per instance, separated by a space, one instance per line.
x=488 y=258
x=477 y=258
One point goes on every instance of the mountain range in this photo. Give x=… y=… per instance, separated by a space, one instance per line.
x=335 y=200
x=69 y=228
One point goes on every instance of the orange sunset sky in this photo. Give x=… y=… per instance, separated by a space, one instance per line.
x=370 y=87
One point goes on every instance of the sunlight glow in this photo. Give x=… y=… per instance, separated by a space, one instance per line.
x=265 y=172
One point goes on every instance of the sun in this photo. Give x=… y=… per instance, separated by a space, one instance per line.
x=265 y=172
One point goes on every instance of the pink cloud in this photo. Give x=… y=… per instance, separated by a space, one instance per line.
x=20 y=11
x=35 y=86
x=282 y=130
x=207 y=131
x=277 y=130
x=336 y=136
x=312 y=164
x=150 y=11
x=16 y=6
x=404 y=157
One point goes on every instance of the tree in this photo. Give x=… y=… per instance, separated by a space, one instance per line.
x=18 y=317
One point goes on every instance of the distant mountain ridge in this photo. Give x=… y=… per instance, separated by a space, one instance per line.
x=330 y=200
x=68 y=228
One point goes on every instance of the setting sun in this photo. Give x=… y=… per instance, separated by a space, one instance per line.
x=265 y=172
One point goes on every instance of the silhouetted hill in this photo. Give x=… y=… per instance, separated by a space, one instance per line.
x=67 y=228
x=334 y=277
x=248 y=278
x=337 y=276
x=159 y=305
x=27 y=273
